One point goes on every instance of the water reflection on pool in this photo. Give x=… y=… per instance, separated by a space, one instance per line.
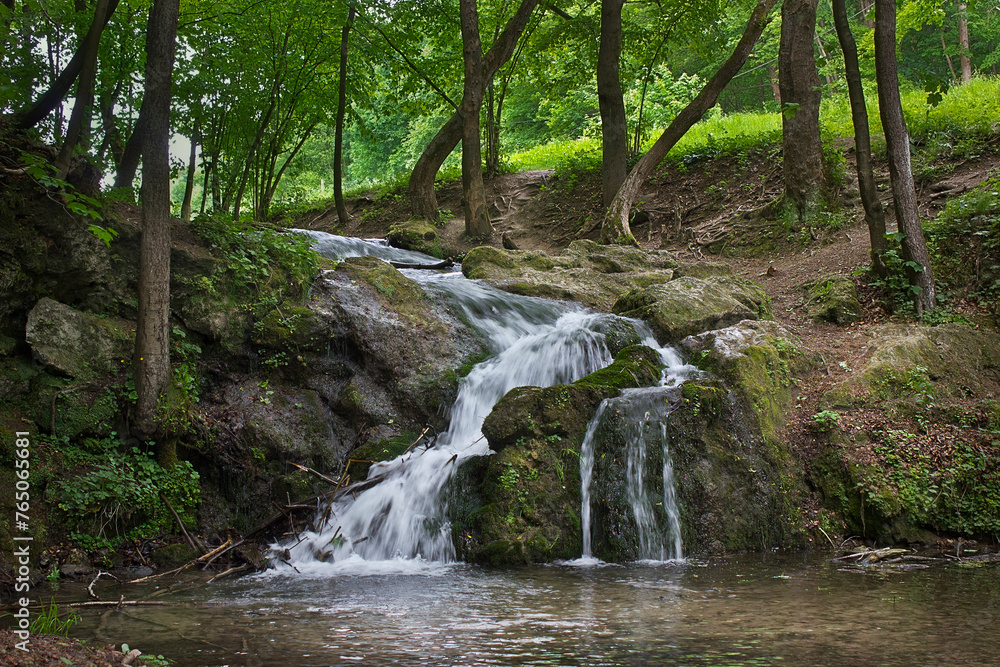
x=792 y=610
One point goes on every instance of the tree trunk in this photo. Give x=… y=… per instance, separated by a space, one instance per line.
x=614 y=131
x=477 y=221
x=53 y=97
x=78 y=129
x=189 y=183
x=874 y=215
x=615 y=228
x=152 y=351
x=258 y=138
x=421 y=188
x=772 y=76
x=904 y=195
x=867 y=19
x=338 y=136
x=129 y=165
x=963 y=42
x=802 y=152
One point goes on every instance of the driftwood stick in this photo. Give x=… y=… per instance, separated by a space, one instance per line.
x=315 y=473
x=419 y=438
x=232 y=570
x=198 y=548
x=100 y=573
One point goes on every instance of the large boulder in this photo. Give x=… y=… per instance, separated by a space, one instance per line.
x=522 y=503
x=833 y=299
x=689 y=305
x=78 y=344
x=586 y=272
x=404 y=348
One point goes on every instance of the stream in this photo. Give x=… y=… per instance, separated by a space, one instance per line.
x=377 y=581
x=792 y=609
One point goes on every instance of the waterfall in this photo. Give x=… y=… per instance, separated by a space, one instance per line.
x=639 y=423
x=534 y=342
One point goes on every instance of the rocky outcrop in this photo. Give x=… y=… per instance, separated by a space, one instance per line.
x=586 y=272
x=675 y=299
x=77 y=344
x=689 y=305
x=419 y=235
x=833 y=299
x=522 y=503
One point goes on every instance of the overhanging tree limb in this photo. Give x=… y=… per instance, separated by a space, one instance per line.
x=615 y=227
x=53 y=97
x=421 y=190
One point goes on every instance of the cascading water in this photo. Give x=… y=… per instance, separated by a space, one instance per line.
x=535 y=342
x=640 y=416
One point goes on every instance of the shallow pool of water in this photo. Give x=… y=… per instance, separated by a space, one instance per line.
x=771 y=609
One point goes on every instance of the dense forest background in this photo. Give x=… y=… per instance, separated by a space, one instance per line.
x=256 y=82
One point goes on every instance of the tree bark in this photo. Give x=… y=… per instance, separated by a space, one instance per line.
x=338 y=137
x=904 y=195
x=189 y=182
x=53 y=97
x=874 y=214
x=129 y=164
x=963 y=42
x=615 y=227
x=614 y=130
x=802 y=152
x=421 y=189
x=477 y=221
x=152 y=352
x=79 y=122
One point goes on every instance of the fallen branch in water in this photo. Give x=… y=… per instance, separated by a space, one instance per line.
x=232 y=570
x=199 y=559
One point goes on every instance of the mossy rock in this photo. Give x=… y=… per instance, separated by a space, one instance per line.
x=362 y=458
x=562 y=411
x=173 y=555
x=522 y=504
x=586 y=272
x=78 y=344
x=910 y=365
x=419 y=235
x=688 y=306
x=833 y=299
x=293 y=326
x=392 y=289
x=758 y=359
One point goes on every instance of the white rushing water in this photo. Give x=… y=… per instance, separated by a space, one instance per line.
x=641 y=415
x=402 y=519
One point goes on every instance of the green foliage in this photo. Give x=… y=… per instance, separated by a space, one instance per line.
x=897 y=285
x=115 y=491
x=961 y=496
x=253 y=254
x=964 y=242
x=48 y=622
x=825 y=421
x=77 y=203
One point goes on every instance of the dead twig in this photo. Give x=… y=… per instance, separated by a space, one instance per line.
x=197 y=546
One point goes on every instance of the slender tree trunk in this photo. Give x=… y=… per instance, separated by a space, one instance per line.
x=963 y=42
x=78 y=129
x=802 y=152
x=874 y=215
x=477 y=221
x=258 y=138
x=867 y=18
x=421 y=188
x=53 y=97
x=129 y=164
x=615 y=227
x=152 y=351
x=772 y=76
x=904 y=195
x=338 y=138
x=944 y=50
x=614 y=130
x=189 y=183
